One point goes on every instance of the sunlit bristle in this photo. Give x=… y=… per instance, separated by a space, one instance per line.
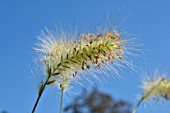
x=155 y=88
x=65 y=59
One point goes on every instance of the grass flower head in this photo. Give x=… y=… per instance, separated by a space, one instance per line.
x=156 y=88
x=63 y=60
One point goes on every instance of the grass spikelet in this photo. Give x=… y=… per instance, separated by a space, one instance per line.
x=155 y=89
x=63 y=60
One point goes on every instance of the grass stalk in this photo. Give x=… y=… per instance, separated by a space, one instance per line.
x=62 y=100
x=40 y=94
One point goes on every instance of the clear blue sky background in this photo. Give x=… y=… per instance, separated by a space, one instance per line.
x=22 y=20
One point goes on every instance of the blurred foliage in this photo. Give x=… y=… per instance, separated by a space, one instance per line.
x=4 y=112
x=97 y=102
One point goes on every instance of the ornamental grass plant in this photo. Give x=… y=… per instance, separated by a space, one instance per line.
x=64 y=59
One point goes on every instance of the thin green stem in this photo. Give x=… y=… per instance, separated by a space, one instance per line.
x=40 y=94
x=62 y=100
x=134 y=111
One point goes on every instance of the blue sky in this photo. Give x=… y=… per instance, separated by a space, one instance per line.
x=22 y=20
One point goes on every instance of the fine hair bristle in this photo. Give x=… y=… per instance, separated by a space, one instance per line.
x=64 y=59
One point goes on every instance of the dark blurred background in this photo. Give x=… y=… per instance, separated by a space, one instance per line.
x=95 y=102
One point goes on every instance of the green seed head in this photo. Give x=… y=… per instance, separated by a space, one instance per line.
x=63 y=60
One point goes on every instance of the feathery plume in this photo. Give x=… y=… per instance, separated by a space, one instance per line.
x=155 y=89
x=63 y=60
